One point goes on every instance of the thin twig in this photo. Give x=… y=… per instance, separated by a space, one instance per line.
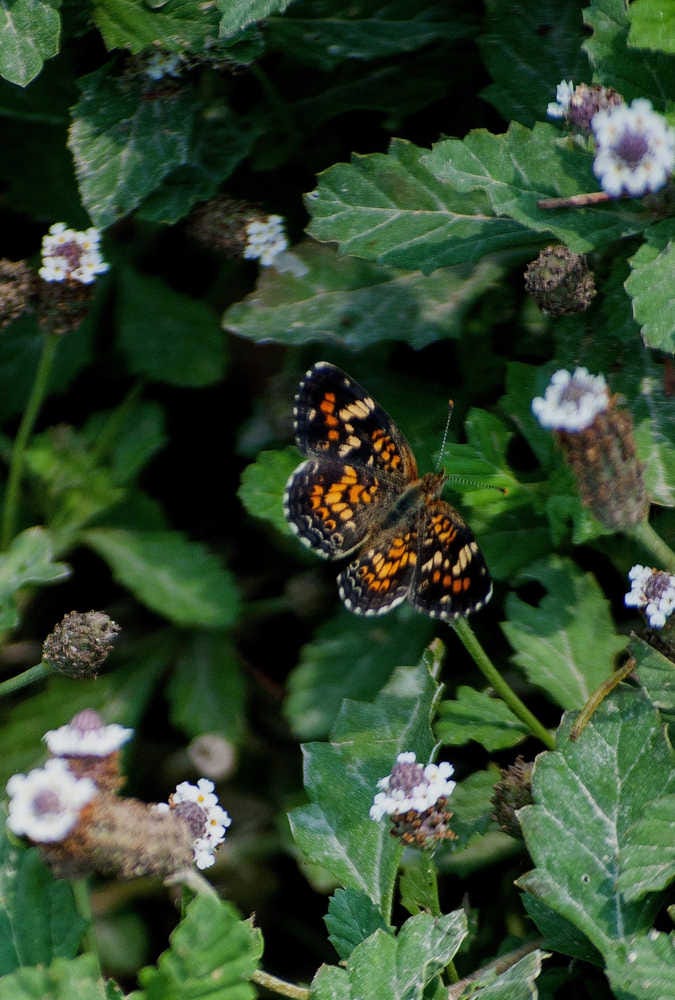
x=575 y=200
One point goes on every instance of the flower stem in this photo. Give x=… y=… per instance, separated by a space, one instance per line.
x=29 y=676
x=655 y=545
x=490 y=672
x=599 y=695
x=280 y=986
x=30 y=415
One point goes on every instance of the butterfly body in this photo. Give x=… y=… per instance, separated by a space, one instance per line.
x=359 y=494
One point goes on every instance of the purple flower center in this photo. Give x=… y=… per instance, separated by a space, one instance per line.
x=657 y=586
x=406 y=777
x=194 y=816
x=46 y=802
x=72 y=252
x=87 y=721
x=573 y=392
x=631 y=148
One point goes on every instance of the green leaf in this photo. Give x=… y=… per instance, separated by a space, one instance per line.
x=206 y=690
x=38 y=916
x=559 y=934
x=650 y=286
x=513 y=171
x=341 y=777
x=656 y=675
x=391 y=209
x=652 y=26
x=648 y=861
x=127 y=437
x=177 y=578
x=517 y=983
x=29 y=559
x=168 y=336
x=372 y=649
x=179 y=26
x=566 y=644
x=399 y=967
x=472 y=806
x=62 y=980
x=124 y=145
x=527 y=48
x=355 y=304
x=213 y=953
x=634 y=73
x=30 y=31
x=326 y=34
x=588 y=796
x=477 y=715
x=263 y=483
x=352 y=917
x=239 y=14
x=641 y=968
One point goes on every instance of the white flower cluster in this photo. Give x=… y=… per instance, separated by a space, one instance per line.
x=563 y=95
x=161 y=64
x=216 y=820
x=73 y=740
x=635 y=149
x=571 y=402
x=45 y=804
x=68 y=255
x=653 y=591
x=265 y=240
x=411 y=786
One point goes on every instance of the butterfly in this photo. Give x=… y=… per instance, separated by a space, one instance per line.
x=359 y=494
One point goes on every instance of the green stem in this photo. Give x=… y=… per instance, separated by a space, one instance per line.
x=30 y=415
x=599 y=695
x=30 y=676
x=655 y=545
x=280 y=986
x=83 y=905
x=490 y=672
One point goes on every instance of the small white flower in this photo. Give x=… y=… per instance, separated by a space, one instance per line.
x=571 y=402
x=198 y=806
x=86 y=736
x=71 y=255
x=161 y=64
x=653 y=592
x=635 y=149
x=45 y=804
x=265 y=240
x=411 y=786
x=561 y=105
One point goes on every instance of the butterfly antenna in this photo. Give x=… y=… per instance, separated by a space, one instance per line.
x=441 y=453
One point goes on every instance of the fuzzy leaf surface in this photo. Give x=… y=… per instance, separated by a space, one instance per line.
x=352 y=917
x=235 y=15
x=29 y=559
x=62 y=980
x=588 y=798
x=652 y=26
x=389 y=208
x=650 y=286
x=567 y=643
x=30 y=32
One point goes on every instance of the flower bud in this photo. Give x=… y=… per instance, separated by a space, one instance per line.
x=80 y=643
x=90 y=748
x=512 y=791
x=560 y=282
x=415 y=799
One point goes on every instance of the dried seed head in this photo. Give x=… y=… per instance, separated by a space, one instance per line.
x=512 y=791
x=80 y=643
x=560 y=282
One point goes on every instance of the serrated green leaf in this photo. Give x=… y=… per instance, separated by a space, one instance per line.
x=527 y=49
x=633 y=72
x=558 y=933
x=239 y=14
x=648 y=861
x=476 y=715
x=179 y=25
x=263 y=482
x=641 y=968
x=355 y=304
x=213 y=953
x=206 y=690
x=650 y=286
x=29 y=559
x=324 y=34
x=30 y=32
x=372 y=649
x=62 y=980
x=588 y=796
x=352 y=917
x=341 y=777
x=567 y=643
x=517 y=983
x=391 y=209
x=518 y=168
x=652 y=26
x=168 y=336
x=399 y=967
x=656 y=674
x=178 y=578
x=124 y=145
x=38 y=916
